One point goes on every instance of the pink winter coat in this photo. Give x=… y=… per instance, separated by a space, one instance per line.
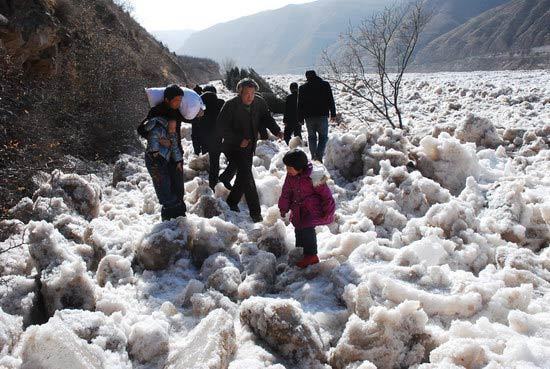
x=308 y=198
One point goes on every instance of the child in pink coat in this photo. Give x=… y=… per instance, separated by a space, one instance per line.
x=309 y=199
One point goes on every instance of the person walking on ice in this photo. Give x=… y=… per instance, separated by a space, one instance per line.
x=315 y=103
x=307 y=196
x=239 y=122
x=164 y=153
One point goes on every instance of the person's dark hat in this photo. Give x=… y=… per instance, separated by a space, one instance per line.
x=296 y=159
x=172 y=91
x=293 y=86
x=310 y=74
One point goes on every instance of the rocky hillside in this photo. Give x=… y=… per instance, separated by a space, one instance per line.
x=73 y=74
x=514 y=35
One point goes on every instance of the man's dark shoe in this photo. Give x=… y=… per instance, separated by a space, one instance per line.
x=234 y=208
x=257 y=218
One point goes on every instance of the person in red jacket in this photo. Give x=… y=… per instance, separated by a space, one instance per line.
x=309 y=199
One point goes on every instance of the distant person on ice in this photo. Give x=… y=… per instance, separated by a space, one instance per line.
x=315 y=104
x=290 y=119
x=164 y=153
x=309 y=199
x=239 y=122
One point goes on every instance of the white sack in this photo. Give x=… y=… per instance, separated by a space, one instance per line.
x=190 y=106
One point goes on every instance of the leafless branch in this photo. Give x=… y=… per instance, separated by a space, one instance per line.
x=382 y=45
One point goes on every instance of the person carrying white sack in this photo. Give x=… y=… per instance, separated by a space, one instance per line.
x=162 y=129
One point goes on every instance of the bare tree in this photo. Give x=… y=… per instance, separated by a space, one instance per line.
x=227 y=65
x=374 y=55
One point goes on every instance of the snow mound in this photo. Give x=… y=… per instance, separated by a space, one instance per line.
x=478 y=130
x=265 y=151
x=225 y=280
x=68 y=286
x=82 y=194
x=344 y=155
x=260 y=268
x=448 y=162
x=204 y=303
x=210 y=345
x=148 y=339
x=274 y=239
x=207 y=207
x=114 y=269
x=158 y=249
x=11 y=328
x=390 y=338
x=128 y=168
x=56 y=345
x=483 y=344
x=210 y=236
x=285 y=328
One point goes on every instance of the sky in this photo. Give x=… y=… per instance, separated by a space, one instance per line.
x=160 y=15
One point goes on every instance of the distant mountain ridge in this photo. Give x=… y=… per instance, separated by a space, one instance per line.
x=173 y=39
x=513 y=35
x=291 y=39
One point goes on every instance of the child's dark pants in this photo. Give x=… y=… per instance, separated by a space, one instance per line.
x=307 y=238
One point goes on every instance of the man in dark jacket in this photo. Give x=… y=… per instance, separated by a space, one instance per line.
x=315 y=102
x=167 y=175
x=290 y=119
x=239 y=122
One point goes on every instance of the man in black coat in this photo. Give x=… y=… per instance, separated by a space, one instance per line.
x=315 y=102
x=239 y=122
x=290 y=119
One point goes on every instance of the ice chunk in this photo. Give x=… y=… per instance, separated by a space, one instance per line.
x=209 y=236
x=226 y=280
x=204 y=303
x=54 y=346
x=80 y=193
x=448 y=162
x=68 y=286
x=210 y=345
x=11 y=328
x=274 y=239
x=260 y=268
x=478 y=130
x=48 y=248
x=285 y=328
x=158 y=249
x=115 y=269
x=390 y=338
x=126 y=167
x=148 y=339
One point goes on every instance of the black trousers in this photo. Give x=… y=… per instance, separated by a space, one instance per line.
x=307 y=239
x=292 y=129
x=244 y=183
x=214 y=175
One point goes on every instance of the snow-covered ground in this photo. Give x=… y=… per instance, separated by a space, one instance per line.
x=446 y=266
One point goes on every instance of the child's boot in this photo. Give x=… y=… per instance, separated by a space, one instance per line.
x=307 y=260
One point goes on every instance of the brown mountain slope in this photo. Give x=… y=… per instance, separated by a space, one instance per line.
x=73 y=73
x=514 y=35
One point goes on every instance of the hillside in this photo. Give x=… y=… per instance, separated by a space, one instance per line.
x=72 y=83
x=291 y=39
x=513 y=35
